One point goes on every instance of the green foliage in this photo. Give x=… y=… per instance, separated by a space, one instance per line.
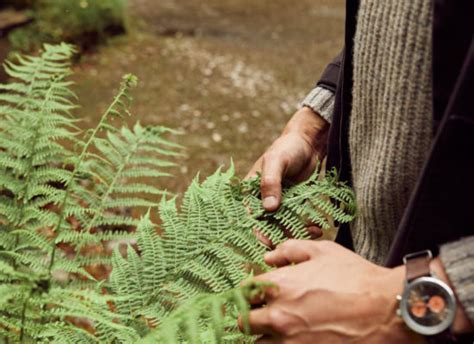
x=201 y=320
x=64 y=191
x=74 y=21
x=208 y=248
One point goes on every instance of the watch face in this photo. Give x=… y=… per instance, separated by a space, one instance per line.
x=428 y=305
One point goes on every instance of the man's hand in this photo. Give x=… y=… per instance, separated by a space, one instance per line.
x=293 y=157
x=331 y=295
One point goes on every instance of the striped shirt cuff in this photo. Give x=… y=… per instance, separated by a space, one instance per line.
x=458 y=261
x=320 y=100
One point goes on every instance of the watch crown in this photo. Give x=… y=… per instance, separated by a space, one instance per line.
x=399 y=297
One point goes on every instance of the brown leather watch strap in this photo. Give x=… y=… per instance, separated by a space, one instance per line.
x=417 y=265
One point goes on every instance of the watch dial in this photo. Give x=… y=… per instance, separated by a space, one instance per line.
x=428 y=304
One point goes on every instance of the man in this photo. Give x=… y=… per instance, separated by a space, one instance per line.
x=395 y=114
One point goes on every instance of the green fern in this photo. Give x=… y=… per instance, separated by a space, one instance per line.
x=208 y=248
x=64 y=190
x=201 y=320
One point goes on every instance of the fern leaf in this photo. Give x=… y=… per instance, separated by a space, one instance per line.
x=208 y=247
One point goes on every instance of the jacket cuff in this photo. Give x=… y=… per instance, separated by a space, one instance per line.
x=458 y=261
x=321 y=101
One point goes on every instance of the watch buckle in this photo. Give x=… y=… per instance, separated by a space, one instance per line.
x=409 y=256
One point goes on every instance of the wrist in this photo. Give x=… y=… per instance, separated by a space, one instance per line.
x=391 y=285
x=417 y=272
x=311 y=126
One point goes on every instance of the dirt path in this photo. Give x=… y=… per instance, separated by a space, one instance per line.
x=229 y=73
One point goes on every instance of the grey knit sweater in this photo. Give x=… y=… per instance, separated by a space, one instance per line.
x=390 y=128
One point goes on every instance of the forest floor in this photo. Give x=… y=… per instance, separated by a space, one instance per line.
x=228 y=73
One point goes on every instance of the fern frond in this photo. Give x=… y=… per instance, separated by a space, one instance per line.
x=208 y=318
x=36 y=118
x=117 y=107
x=63 y=304
x=68 y=199
x=208 y=247
x=61 y=190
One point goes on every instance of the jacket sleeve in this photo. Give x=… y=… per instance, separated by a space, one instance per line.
x=330 y=77
x=321 y=98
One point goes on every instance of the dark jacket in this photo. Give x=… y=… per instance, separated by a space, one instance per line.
x=441 y=208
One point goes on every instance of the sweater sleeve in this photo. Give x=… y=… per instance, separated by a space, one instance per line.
x=458 y=261
x=321 y=101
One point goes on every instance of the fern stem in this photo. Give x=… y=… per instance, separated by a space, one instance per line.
x=117 y=99
x=112 y=184
x=23 y=318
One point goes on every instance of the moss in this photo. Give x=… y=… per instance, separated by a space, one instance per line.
x=82 y=22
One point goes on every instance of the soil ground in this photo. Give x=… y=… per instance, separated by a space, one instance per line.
x=229 y=73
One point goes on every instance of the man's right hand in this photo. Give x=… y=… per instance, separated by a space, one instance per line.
x=292 y=157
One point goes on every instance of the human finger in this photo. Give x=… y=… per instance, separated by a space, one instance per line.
x=290 y=252
x=314 y=231
x=263 y=294
x=273 y=169
x=263 y=238
x=259 y=322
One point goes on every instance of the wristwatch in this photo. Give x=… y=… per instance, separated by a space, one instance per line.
x=427 y=304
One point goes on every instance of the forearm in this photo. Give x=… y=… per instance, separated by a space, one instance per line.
x=311 y=126
x=307 y=122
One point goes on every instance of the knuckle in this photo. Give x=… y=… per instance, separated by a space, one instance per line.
x=276 y=155
x=270 y=155
x=269 y=181
x=277 y=320
x=280 y=156
x=290 y=244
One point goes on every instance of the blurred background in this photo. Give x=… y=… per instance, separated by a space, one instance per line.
x=229 y=73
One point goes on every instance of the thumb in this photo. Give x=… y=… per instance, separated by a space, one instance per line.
x=273 y=169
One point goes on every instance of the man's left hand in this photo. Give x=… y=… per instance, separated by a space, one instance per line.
x=330 y=295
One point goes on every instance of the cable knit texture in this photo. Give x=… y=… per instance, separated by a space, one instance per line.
x=391 y=121
x=321 y=101
x=458 y=261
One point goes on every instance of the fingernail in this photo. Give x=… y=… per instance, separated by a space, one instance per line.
x=270 y=202
x=315 y=232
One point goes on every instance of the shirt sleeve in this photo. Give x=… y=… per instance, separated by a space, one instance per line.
x=458 y=261
x=321 y=101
